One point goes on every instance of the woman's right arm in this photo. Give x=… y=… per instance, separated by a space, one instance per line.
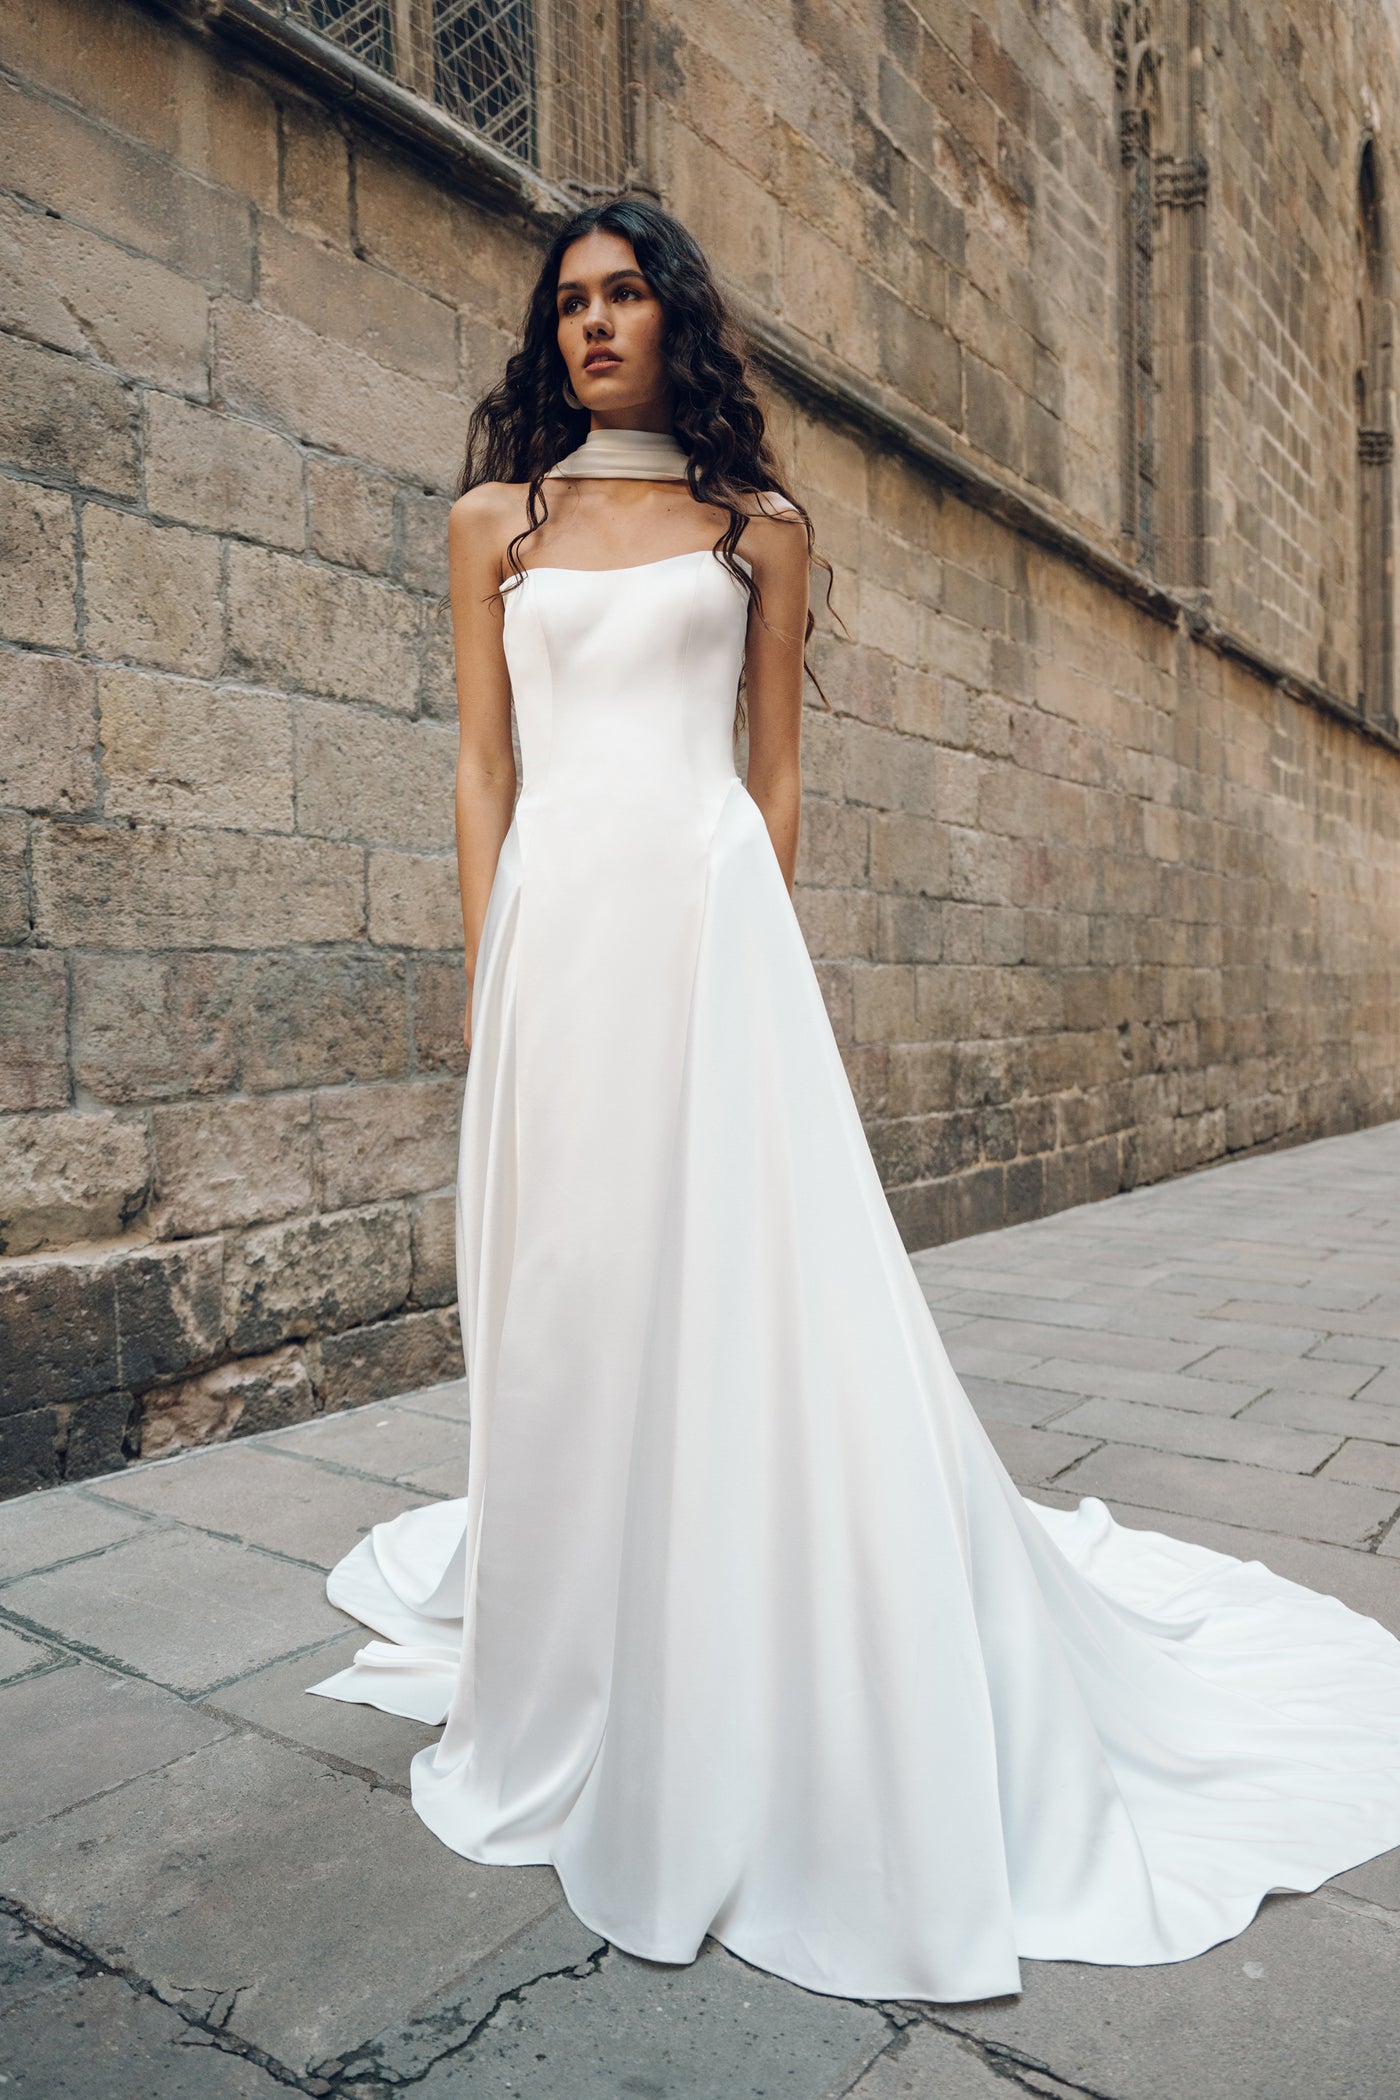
x=485 y=760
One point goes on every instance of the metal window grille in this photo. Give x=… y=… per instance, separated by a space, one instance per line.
x=542 y=79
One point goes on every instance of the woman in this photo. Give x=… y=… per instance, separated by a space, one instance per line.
x=741 y=1624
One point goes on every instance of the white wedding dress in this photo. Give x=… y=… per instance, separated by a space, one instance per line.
x=740 y=1623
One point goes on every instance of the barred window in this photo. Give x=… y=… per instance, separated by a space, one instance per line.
x=541 y=79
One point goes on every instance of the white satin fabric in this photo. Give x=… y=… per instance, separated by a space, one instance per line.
x=741 y=1624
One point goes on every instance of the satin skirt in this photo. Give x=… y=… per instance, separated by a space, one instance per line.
x=740 y=1623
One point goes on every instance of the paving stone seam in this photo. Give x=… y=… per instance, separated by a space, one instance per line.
x=239 y=1724
x=218 y=2035
x=100 y=1794
x=79 y=1651
x=228 y=1538
x=149 y=1522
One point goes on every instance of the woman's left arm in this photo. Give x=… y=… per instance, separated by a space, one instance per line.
x=777 y=548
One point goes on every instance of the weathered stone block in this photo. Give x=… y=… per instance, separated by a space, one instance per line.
x=101 y=885
x=321 y=1017
x=351 y=302
x=423 y=542
x=315 y=185
x=367 y=776
x=122 y=187
x=33 y=1030
x=14 y=877
x=66 y=420
x=435 y=1249
x=311 y=1276
x=95 y=1435
x=236 y=1399
x=38 y=569
x=396 y=1140
x=414 y=900
x=58 y=1322
x=178 y=752
x=31 y=1447
x=276 y=370
x=371 y=1363
x=70 y=1177
x=48 y=733
x=225 y=1163
x=352 y=515
x=147 y=1028
x=151 y=592
x=439 y=1009
x=314 y=628
x=223 y=473
x=168 y=1309
x=65 y=286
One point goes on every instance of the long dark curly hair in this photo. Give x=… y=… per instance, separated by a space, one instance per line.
x=524 y=425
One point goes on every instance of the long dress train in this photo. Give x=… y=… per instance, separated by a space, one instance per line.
x=741 y=1623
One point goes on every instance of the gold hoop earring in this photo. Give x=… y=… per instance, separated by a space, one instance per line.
x=571 y=397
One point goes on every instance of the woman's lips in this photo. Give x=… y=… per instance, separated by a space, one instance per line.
x=603 y=363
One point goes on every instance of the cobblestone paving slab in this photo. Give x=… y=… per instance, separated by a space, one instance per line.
x=70 y=2030
x=230 y=1895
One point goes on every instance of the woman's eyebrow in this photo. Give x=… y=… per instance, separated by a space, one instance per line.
x=571 y=284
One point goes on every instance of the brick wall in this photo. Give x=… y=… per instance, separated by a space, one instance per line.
x=1091 y=903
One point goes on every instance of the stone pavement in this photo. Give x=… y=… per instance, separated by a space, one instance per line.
x=216 y=1887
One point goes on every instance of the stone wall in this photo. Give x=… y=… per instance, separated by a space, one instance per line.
x=1092 y=900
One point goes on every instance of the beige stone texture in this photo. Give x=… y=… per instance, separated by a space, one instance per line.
x=156 y=1027
x=76 y=291
x=150 y=592
x=127 y=189
x=70 y=1177
x=117 y=887
x=65 y=420
x=315 y=172
x=280 y=372
x=230 y=1162
x=223 y=474
x=362 y=775
x=38 y=565
x=305 y=626
x=381 y=1141
x=352 y=515
x=33 y=1030
x=351 y=302
x=177 y=751
x=14 y=876
x=414 y=900
x=251 y=1393
x=48 y=733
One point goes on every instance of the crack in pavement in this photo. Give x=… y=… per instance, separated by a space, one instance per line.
x=1015 y=2066
x=378 y=2077
x=216 y=2033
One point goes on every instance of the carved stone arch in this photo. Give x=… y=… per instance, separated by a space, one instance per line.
x=1375 y=446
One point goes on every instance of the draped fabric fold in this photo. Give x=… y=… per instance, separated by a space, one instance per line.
x=740 y=1623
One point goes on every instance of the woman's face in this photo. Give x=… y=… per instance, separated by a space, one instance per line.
x=611 y=328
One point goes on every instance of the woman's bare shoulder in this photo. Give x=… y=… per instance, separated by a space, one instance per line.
x=482 y=523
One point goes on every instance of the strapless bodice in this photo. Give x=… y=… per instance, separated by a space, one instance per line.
x=625 y=680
